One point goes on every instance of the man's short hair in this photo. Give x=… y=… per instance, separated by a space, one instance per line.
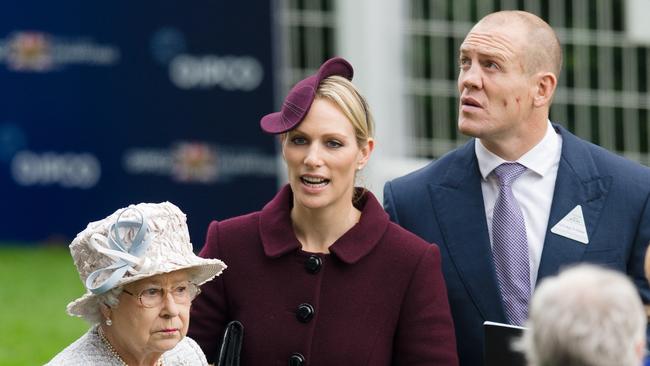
x=543 y=50
x=587 y=315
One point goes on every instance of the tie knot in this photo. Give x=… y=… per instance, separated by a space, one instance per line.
x=508 y=172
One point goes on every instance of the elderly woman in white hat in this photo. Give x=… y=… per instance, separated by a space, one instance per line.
x=141 y=275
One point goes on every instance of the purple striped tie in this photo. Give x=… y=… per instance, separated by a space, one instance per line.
x=510 y=246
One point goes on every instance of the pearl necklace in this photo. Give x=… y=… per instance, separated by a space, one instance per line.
x=114 y=352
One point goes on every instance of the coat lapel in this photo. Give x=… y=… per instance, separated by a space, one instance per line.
x=458 y=205
x=578 y=182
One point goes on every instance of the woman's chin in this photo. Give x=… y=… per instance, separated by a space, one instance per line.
x=165 y=342
x=312 y=203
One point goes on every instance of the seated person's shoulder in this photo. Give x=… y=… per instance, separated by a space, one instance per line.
x=87 y=350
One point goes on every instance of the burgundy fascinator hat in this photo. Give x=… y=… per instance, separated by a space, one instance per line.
x=297 y=103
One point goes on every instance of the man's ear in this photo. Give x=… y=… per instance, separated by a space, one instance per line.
x=545 y=88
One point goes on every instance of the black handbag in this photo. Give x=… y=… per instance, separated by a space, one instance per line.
x=231 y=344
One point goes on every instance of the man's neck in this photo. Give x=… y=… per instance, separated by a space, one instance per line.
x=515 y=146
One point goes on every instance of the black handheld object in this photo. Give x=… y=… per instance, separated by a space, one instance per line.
x=231 y=344
x=498 y=349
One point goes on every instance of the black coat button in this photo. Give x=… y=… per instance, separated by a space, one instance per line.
x=313 y=264
x=304 y=313
x=296 y=359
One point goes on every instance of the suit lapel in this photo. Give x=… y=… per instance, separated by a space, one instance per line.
x=578 y=182
x=458 y=205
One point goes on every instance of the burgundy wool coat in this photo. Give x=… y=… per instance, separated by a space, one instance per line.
x=378 y=298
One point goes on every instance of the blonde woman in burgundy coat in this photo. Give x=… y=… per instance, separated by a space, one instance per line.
x=320 y=276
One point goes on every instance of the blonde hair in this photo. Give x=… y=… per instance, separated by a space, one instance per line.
x=346 y=96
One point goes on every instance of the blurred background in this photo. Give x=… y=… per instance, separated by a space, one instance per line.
x=110 y=103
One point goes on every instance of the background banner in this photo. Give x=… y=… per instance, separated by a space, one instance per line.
x=110 y=103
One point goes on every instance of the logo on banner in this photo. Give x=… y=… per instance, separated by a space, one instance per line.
x=194 y=162
x=190 y=71
x=243 y=73
x=198 y=162
x=68 y=170
x=29 y=168
x=33 y=51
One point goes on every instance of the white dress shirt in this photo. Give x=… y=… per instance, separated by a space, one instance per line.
x=533 y=189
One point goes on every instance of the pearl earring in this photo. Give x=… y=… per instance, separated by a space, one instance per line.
x=109 y=322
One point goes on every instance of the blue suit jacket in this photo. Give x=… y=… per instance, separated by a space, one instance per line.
x=443 y=204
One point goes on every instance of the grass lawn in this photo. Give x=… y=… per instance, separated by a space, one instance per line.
x=37 y=284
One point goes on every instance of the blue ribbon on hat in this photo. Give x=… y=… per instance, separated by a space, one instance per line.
x=125 y=260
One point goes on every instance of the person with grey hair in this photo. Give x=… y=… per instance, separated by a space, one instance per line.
x=585 y=316
x=141 y=276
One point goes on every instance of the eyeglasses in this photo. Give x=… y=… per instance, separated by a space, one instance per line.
x=153 y=297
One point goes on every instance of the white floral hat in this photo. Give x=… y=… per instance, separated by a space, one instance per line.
x=133 y=243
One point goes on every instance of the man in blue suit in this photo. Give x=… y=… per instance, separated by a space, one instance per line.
x=570 y=201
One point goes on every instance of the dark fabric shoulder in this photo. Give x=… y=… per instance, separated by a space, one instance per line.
x=591 y=161
x=405 y=248
x=223 y=234
x=435 y=168
x=608 y=160
x=406 y=239
x=239 y=223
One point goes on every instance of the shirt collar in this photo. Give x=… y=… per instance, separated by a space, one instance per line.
x=278 y=238
x=536 y=159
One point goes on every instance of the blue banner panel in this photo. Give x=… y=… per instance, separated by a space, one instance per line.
x=110 y=103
